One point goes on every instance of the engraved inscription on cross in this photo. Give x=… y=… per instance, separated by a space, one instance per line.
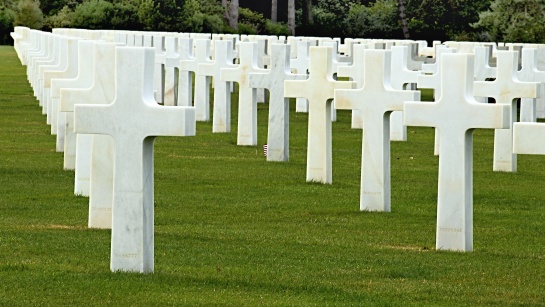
x=133 y=120
x=505 y=89
x=273 y=80
x=456 y=114
x=319 y=91
x=376 y=100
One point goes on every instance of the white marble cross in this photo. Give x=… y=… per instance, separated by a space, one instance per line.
x=261 y=53
x=529 y=73
x=319 y=90
x=94 y=153
x=335 y=64
x=401 y=77
x=432 y=77
x=133 y=120
x=456 y=113
x=375 y=100
x=147 y=40
x=67 y=47
x=483 y=70
x=299 y=66
x=56 y=78
x=274 y=81
x=138 y=40
x=51 y=59
x=172 y=64
x=433 y=81
x=43 y=57
x=223 y=58
x=159 y=70
x=66 y=138
x=356 y=73
x=247 y=102
x=432 y=64
x=185 y=76
x=130 y=39
x=505 y=89
x=528 y=138
x=202 y=81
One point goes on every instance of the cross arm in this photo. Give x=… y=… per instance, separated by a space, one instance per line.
x=504 y=93
x=491 y=116
x=206 y=69
x=347 y=99
x=528 y=138
x=416 y=113
x=189 y=65
x=297 y=89
x=429 y=81
x=231 y=74
x=69 y=98
x=171 y=121
x=260 y=80
x=172 y=61
x=93 y=119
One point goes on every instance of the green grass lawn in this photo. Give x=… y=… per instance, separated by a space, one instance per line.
x=233 y=229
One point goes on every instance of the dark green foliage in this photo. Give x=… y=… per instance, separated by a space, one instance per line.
x=7 y=17
x=378 y=20
x=251 y=20
x=278 y=28
x=517 y=21
x=29 y=14
x=444 y=20
x=349 y=18
x=101 y=14
x=329 y=17
x=202 y=16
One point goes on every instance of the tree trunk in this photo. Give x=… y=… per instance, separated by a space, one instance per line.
x=291 y=16
x=225 y=5
x=274 y=11
x=403 y=20
x=308 y=17
x=233 y=14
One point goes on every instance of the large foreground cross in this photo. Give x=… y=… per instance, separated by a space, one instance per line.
x=456 y=114
x=133 y=120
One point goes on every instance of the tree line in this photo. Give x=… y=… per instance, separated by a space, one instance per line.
x=470 y=20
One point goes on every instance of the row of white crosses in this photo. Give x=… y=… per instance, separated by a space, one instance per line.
x=115 y=105
x=380 y=82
